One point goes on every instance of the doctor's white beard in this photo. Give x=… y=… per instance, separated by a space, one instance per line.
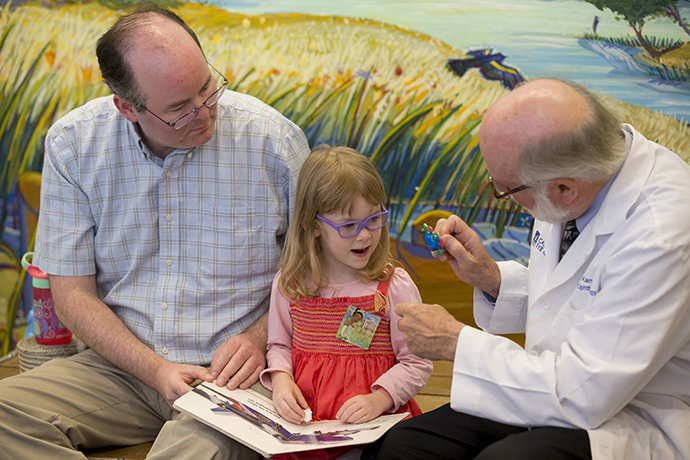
x=544 y=209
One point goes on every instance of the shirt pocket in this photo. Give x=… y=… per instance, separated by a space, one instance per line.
x=225 y=235
x=241 y=249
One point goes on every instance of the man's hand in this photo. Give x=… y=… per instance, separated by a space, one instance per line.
x=467 y=256
x=172 y=380
x=238 y=361
x=287 y=397
x=429 y=330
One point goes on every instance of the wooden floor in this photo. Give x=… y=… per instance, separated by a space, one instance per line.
x=437 y=284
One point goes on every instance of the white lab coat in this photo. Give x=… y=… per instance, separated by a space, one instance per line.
x=607 y=330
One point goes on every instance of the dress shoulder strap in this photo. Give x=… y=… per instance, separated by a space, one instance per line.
x=383 y=287
x=380 y=301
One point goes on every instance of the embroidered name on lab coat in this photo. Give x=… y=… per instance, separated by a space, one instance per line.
x=538 y=243
x=585 y=284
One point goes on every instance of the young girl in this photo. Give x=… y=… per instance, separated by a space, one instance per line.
x=337 y=272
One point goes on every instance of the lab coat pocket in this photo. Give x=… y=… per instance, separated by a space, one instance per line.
x=584 y=294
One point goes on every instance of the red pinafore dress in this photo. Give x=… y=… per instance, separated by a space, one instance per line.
x=328 y=370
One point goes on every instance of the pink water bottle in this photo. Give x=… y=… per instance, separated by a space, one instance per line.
x=47 y=327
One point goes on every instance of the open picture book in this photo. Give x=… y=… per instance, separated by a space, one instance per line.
x=250 y=418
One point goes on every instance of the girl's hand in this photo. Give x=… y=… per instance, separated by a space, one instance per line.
x=362 y=408
x=287 y=397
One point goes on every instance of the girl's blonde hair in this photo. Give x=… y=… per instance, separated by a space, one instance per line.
x=330 y=180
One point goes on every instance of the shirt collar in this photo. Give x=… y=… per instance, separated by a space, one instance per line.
x=146 y=152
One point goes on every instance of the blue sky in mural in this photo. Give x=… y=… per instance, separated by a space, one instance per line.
x=537 y=36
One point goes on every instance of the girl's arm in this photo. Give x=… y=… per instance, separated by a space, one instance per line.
x=279 y=346
x=409 y=375
x=278 y=375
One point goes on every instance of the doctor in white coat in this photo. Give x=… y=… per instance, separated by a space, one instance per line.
x=605 y=371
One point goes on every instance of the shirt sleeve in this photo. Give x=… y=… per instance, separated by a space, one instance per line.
x=296 y=151
x=410 y=373
x=279 y=346
x=66 y=227
x=508 y=315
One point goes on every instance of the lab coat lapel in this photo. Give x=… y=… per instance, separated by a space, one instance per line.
x=545 y=246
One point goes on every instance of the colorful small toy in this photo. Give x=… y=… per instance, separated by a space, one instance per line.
x=432 y=240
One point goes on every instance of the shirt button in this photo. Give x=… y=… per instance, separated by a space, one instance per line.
x=168 y=174
x=165 y=350
x=534 y=353
x=168 y=262
x=164 y=306
x=546 y=304
x=189 y=155
x=168 y=217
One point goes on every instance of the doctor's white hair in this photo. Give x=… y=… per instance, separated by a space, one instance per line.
x=592 y=152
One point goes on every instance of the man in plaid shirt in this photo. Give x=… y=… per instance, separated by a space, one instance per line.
x=163 y=213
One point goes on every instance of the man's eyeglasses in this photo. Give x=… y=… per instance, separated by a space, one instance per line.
x=184 y=120
x=505 y=195
x=352 y=229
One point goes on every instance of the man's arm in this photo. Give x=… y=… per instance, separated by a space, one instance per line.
x=80 y=309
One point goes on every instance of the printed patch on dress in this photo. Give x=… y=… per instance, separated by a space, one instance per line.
x=358 y=327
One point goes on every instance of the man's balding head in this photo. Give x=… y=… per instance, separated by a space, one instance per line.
x=148 y=26
x=550 y=128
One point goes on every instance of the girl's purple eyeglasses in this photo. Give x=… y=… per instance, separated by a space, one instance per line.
x=352 y=229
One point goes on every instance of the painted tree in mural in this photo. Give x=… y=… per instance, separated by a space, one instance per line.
x=636 y=13
x=673 y=9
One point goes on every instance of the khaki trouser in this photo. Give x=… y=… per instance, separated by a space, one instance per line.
x=84 y=402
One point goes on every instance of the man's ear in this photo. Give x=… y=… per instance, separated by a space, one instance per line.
x=126 y=108
x=564 y=192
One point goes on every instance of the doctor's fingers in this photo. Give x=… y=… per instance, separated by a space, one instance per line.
x=455 y=227
x=416 y=318
x=430 y=331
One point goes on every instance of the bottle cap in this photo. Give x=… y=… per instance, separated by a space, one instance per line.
x=40 y=278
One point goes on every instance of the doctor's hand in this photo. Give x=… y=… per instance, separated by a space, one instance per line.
x=429 y=330
x=467 y=256
x=240 y=359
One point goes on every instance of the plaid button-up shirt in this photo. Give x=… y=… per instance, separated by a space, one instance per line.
x=184 y=249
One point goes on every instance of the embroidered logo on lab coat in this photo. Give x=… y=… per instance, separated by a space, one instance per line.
x=538 y=243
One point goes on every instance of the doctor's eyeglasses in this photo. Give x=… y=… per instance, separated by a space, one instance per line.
x=505 y=195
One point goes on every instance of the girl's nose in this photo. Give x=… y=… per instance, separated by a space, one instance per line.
x=363 y=234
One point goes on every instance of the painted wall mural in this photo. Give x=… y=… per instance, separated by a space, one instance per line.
x=404 y=81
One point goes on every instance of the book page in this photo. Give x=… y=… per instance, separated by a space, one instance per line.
x=251 y=419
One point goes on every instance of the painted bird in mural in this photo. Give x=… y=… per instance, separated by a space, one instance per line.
x=490 y=65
